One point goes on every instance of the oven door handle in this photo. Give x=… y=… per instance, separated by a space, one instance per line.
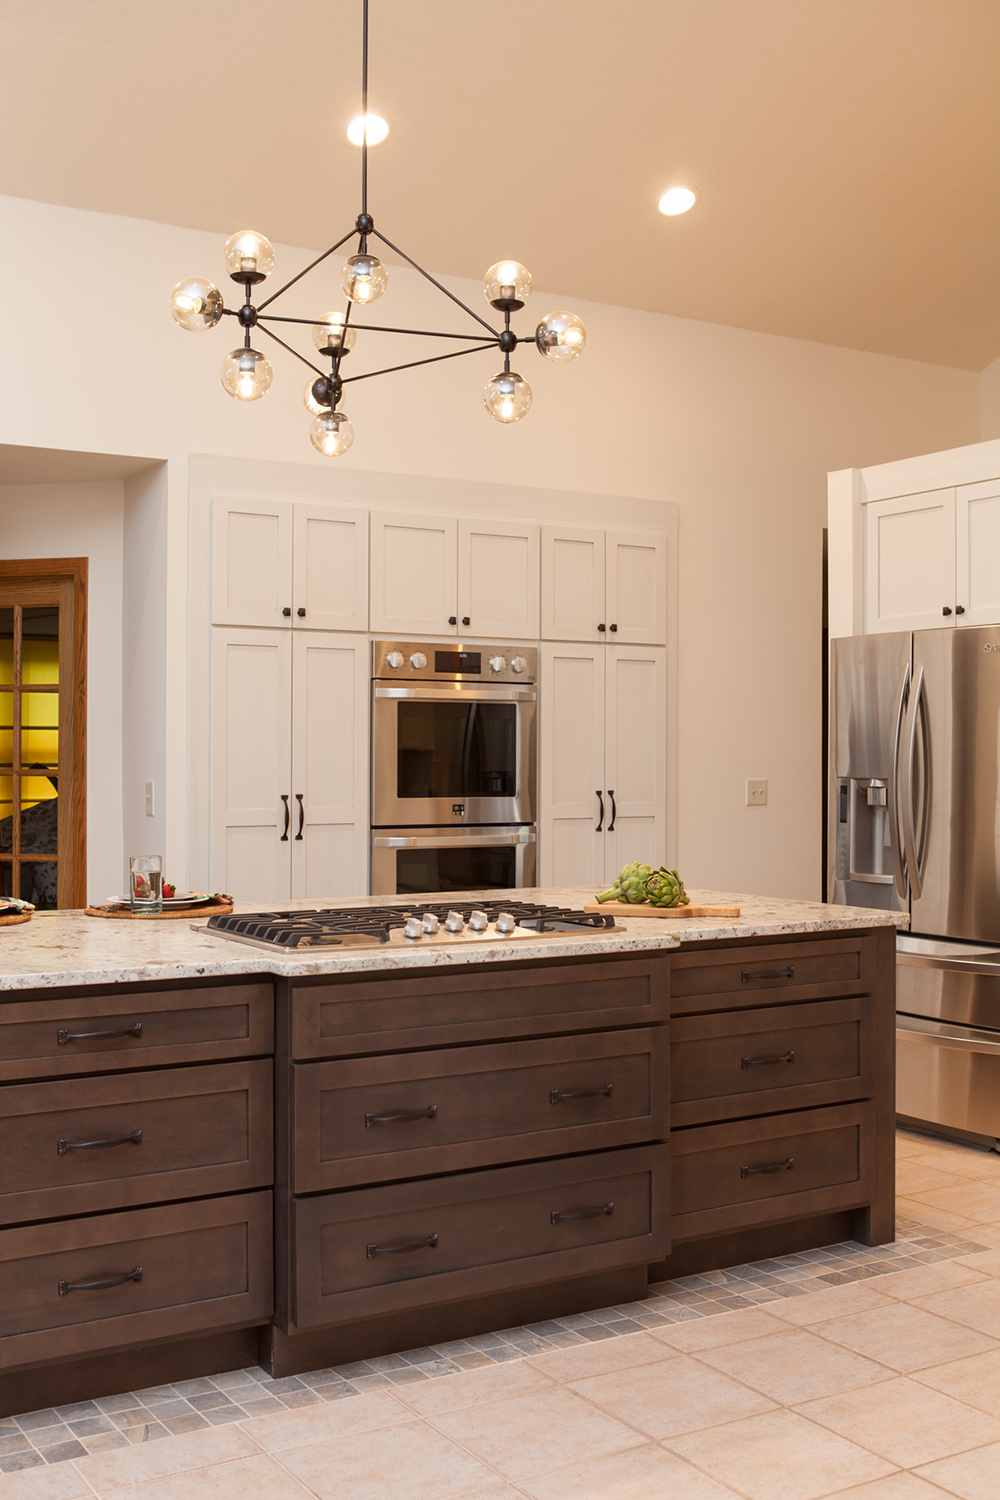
x=476 y=841
x=459 y=694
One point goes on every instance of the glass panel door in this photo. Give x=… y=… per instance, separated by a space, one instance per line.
x=29 y=749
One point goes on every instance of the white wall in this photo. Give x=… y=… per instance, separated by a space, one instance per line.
x=739 y=428
x=989 y=401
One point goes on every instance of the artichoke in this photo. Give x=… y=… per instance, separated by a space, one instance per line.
x=666 y=888
x=630 y=884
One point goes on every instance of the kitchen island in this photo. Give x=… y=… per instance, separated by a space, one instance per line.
x=217 y=1153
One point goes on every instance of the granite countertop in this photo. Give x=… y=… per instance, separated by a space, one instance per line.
x=68 y=948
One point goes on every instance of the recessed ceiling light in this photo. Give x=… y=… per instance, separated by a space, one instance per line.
x=377 y=130
x=676 y=200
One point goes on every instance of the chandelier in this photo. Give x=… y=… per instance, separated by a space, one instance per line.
x=197 y=305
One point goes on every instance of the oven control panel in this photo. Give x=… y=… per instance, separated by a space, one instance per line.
x=453 y=661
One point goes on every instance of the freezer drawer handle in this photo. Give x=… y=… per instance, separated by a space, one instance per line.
x=408 y=1114
x=768 y=1166
x=765 y=1062
x=582 y=1213
x=430 y=1243
x=134 y=1138
x=746 y=976
x=63 y=1035
x=98 y=1286
x=556 y=1095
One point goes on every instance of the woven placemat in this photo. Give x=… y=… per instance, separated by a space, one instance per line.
x=117 y=909
x=21 y=916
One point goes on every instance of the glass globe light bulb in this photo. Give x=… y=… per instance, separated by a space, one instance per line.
x=329 y=334
x=317 y=408
x=196 y=304
x=246 y=374
x=507 y=397
x=560 y=336
x=507 y=284
x=377 y=130
x=332 y=433
x=249 y=256
x=364 y=279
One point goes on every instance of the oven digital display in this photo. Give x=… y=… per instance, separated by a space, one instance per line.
x=458 y=661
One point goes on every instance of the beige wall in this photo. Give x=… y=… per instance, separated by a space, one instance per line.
x=989 y=401
x=739 y=428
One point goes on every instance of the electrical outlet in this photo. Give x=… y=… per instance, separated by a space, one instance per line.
x=756 y=794
x=150 y=800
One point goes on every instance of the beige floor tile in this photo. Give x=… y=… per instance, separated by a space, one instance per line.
x=937 y=1218
x=607 y=1354
x=987 y=1262
x=976 y=1306
x=678 y=1396
x=976 y=1381
x=898 y=1486
x=973 y=1476
x=909 y=1144
x=193 y=1450
x=58 y=1482
x=411 y=1462
x=780 y=1456
x=838 y=1302
x=904 y=1422
x=976 y=1199
x=923 y=1280
x=527 y=1435
x=963 y=1162
x=906 y=1337
x=453 y=1392
x=259 y=1478
x=795 y=1366
x=726 y=1328
x=313 y=1424
x=917 y=1175
x=648 y=1473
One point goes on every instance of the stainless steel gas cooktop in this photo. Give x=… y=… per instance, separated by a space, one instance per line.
x=406 y=926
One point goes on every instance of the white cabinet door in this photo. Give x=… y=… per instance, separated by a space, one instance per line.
x=251 y=562
x=329 y=780
x=414 y=575
x=251 y=764
x=636 y=584
x=910 y=562
x=571 y=766
x=977 y=515
x=330 y=568
x=635 y=765
x=498 y=579
x=572 y=584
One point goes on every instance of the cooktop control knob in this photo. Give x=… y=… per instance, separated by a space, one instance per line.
x=478 y=921
x=497 y=663
x=505 y=921
x=430 y=923
x=414 y=928
x=394 y=659
x=518 y=664
x=454 y=922
x=418 y=661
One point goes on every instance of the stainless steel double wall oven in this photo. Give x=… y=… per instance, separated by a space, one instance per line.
x=453 y=766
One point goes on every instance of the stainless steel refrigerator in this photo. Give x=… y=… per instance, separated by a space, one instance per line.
x=915 y=826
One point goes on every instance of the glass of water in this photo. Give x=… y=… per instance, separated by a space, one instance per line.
x=147 y=883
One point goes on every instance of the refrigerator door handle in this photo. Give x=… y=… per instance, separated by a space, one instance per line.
x=895 y=791
x=916 y=709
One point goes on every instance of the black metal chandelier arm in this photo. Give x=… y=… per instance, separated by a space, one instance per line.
x=430 y=278
x=275 y=295
x=321 y=373
x=342 y=350
x=455 y=354
x=424 y=333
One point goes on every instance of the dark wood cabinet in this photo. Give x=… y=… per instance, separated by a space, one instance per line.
x=724 y=977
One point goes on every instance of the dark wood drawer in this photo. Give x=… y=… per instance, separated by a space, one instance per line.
x=771 y=974
x=396 y=1014
x=377 y=1118
x=178 y=1133
x=203 y=1265
x=732 y=1063
x=155 y=1028
x=767 y=1170
x=477 y=1233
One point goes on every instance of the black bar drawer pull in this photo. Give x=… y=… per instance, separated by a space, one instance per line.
x=98 y=1286
x=134 y=1138
x=430 y=1243
x=407 y=1114
x=775 y=974
x=765 y=1062
x=768 y=1166
x=557 y=1095
x=582 y=1213
x=63 y=1035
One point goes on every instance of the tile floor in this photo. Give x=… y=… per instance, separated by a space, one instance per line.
x=869 y=1374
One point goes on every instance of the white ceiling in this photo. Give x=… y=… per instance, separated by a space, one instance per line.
x=847 y=152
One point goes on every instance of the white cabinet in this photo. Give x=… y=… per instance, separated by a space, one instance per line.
x=289 y=764
x=414 y=574
x=498 y=579
x=289 y=565
x=602 y=761
x=603 y=586
x=977 y=517
x=910 y=562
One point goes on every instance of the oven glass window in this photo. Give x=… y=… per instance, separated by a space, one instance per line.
x=456 y=750
x=419 y=870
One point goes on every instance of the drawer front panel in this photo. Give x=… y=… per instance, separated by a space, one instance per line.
x=375 y=1119
x=185 y=1268
x=84 y=1144
x=767 y=1170
x=387 y=1015
x=771 y=974
x=158 y=1028
x=413 y=1244
x=787 y=1057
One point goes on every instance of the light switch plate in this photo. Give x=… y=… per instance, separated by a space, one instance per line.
x=756 y=794
x=150 y=800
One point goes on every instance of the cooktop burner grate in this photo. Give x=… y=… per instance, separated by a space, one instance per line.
x=331 y=926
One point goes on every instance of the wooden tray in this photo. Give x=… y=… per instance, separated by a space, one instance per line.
x=210 y=908
x=624 y=909
x=11 y=921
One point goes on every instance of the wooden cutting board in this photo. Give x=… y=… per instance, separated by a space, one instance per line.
x=624 y=909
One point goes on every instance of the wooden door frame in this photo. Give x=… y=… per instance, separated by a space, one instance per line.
x=69 y=574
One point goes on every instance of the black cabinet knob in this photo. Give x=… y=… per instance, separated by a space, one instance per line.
x=960 y=609
x=602 y=627
x=286 y=611
x=452 y=619
x=301 y=613
x=946 y=610
x=466 y=620
x=614 y=628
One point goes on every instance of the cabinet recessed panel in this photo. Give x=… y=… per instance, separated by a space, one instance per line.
x=253 y=726
x=414 y=574
x=330 y=860
x=977 y=514
x=251 y=562
x=636 y=587
x=251 y=865
x=572 y=584
x=633 y=712
x=329 y=720
x=329 y=725
x=331 y=568
x=498 y=578
x=910 y=562
x=574 y=689
x=574 y=811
